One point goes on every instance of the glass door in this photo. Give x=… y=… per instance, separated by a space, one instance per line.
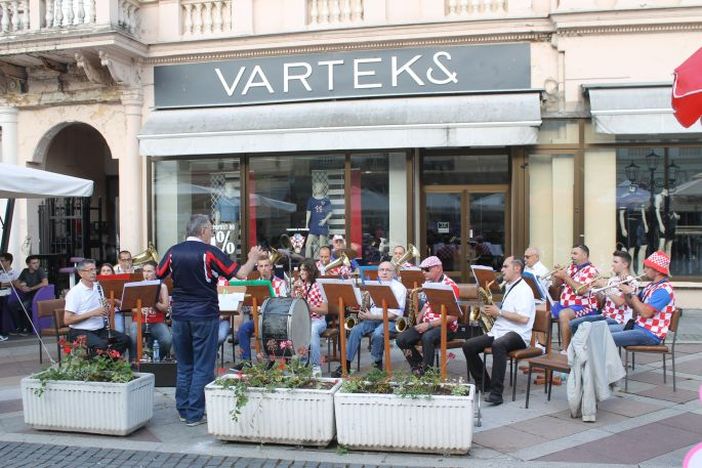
x=466 y=225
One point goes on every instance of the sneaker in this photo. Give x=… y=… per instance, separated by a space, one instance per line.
x=14 y=332
x=494 y=399
x=181 y=419
x=240 y=366
x=3 y=338
x=378 y=365
x=200 y=421
x=336 y=373
x=24 y=332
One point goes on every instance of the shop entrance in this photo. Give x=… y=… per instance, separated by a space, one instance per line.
x=466 y=225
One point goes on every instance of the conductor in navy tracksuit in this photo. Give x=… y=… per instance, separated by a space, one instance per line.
x=195 y=266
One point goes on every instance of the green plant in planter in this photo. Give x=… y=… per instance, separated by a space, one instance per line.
x=268 y=375
x=405 y=385
x=78 y=364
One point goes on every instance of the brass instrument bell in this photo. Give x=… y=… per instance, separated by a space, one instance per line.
x=150 y=254
x=411 y=252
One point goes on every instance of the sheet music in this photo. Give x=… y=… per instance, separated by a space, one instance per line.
x=230 y=301
x=356 y=291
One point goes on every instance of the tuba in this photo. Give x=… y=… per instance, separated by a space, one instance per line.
x=343 y=260
x=411 y=252
x=150 y=254
x=274 y=256
x=476 y=315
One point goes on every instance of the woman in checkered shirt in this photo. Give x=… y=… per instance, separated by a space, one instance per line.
x=307 y=288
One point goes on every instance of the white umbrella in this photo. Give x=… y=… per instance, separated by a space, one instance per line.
x=24 y=182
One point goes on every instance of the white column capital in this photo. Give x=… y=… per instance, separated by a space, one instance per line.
x=8 y=115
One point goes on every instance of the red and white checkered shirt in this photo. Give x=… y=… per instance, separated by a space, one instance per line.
x=660 y=321
x=581 y=274
x=280 y=287
x=342 y=271
x=621 y=313
x=430 y=315
x=313 y=295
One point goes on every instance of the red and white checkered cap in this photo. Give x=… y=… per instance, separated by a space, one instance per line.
x=659 y=261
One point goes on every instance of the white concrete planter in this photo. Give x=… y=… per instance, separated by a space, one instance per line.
x=94 y=407
x=282 y=416
x=369 y=421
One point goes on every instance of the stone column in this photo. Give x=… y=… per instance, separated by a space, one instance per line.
x=8 y=123
x=132 y=224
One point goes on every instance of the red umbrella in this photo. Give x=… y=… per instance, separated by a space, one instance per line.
x=687 y=90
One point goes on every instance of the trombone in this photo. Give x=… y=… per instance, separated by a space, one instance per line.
x=585 y=286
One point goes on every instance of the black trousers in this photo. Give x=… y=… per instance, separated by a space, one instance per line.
x=430 y=339
x=19 y=318
x=500 y=347
x=97 y=339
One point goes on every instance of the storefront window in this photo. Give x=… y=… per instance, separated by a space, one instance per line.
x=202 y=186
x=659 y=205
x=297 y=194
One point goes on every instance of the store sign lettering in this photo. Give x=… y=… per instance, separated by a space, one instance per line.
x=344 y=75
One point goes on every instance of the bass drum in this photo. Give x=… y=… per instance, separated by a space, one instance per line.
x=283 y=320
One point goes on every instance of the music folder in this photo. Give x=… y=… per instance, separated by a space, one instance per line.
x=439 y=294
x=333 y=289
x=484 y=275
x=146 y=291
x=380 y=292
x=230 y=298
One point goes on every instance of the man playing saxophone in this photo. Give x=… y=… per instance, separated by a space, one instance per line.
x=615 y=309
x=511 y=331
x=371 y=320
x=428 y=327
x=576 y=300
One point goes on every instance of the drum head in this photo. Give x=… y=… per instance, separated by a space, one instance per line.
x=299 y=325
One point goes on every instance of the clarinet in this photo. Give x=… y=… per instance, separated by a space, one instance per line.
x=106 y=308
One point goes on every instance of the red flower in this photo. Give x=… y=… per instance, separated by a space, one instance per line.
x=113 y=353
x=450 y=357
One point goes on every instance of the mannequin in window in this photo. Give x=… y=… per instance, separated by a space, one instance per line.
x=667 y=222
x=227 y=207
x=319 y=211
x=633 y=229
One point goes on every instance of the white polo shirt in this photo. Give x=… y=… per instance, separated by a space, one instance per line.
x=518 y=298
x=81 y=299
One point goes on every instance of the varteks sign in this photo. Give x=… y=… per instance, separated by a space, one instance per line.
x=343 y=75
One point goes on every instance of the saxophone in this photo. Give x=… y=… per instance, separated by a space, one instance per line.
x=477 y=315
x=352 y=319
x=402 y=323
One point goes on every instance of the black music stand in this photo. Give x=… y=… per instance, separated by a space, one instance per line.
x=382 y=294
x=137 y=295
x=442 y=296
x=340 y=294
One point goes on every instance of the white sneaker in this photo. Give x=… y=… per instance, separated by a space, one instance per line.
x=316 y=371
x=3 y=338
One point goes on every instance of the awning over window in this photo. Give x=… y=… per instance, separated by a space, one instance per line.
x=634 y=110
x=419 y=122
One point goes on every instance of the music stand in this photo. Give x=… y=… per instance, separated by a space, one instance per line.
x=230 y=299
x=412 y=279
x=537 y=288
x=484 y=275
x=137 y=295
x=442 y=295
x=382 y=294
x=340 y=294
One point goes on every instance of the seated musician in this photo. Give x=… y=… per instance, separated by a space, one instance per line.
x=576 y=300
x=86 y=315
x=428 y=327
x=306 y=287
x=371 y=320
x=397 y=253
x=533 y=265
x=615 y=310
x=514 y=319
x=325 y=258
x=153 y=318
x=265 y=271
x=652 y=308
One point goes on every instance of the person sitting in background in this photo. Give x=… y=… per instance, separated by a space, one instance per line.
x=106 y=269
x=7 y=277
x=124 y=262
x=31 y=280
x=153 y=318
x=306 y=287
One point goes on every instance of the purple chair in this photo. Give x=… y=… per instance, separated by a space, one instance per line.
x=47 y=292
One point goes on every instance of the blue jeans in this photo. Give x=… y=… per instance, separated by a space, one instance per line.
x=637 y=336
x=159 y=331
x=244 y=336
x=377 y=338
x=223 y=331
x=318 y=326
x=575 y=323
x=196 y=352
x=119 y=322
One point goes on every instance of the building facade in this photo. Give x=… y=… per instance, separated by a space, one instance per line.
x=470 y=128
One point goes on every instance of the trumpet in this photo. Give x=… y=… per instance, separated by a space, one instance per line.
x=555 y=270
x=618 y=283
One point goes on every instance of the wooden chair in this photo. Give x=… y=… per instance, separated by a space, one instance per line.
x=542 y=324
x=549 y=361
x=655 y=349
x=48 y=309
x=331 y=334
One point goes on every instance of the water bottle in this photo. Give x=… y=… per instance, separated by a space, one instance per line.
x=156 y=352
